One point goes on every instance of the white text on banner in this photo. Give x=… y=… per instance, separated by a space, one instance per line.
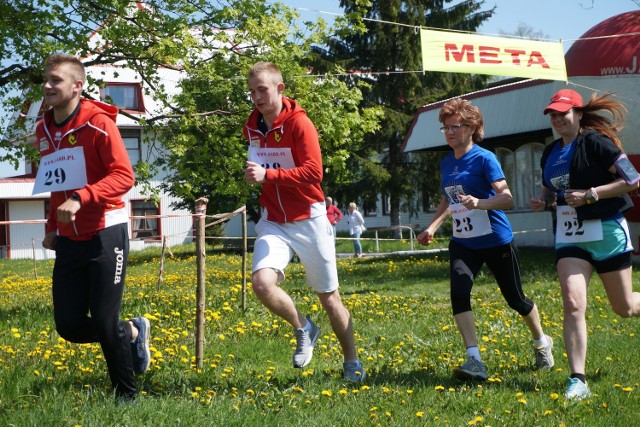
x=497 y=56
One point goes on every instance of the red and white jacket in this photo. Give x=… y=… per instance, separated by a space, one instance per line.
x=108 y=168
x=290 y=194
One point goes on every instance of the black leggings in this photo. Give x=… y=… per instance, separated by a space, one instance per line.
x=502 y=260
x=88 y=277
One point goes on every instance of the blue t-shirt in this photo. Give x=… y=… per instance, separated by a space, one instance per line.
x=556 y=169
x=473 y=174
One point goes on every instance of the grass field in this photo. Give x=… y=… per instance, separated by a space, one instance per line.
x=406 y=337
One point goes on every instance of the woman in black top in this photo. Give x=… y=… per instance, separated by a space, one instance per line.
x=584 y=179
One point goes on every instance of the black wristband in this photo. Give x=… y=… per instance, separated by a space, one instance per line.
x=75 y=196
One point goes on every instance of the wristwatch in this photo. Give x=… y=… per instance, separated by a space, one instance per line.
x=75 y=196
x=590 y=196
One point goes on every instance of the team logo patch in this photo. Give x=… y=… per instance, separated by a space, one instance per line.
x=72 y=139
x=277 y=136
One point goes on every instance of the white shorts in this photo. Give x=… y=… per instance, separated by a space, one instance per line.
x=311 y=239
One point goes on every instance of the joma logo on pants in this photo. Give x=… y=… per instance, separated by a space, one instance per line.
x=119 y=265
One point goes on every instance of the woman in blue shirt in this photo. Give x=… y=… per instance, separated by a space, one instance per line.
x=474 y=193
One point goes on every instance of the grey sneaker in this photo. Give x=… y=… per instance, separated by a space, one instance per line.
x=472 y=369
x=577 y=390
x=140 y=347
x=544 y=355
x=353 y=371
x=305 y=341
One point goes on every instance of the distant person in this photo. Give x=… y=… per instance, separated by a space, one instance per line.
x=333 y=213
x=87 y=224
x=586 y=178
x=285 y=159
x=475 y=193
x=356 y=228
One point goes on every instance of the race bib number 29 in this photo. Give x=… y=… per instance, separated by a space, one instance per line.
x=61 y=170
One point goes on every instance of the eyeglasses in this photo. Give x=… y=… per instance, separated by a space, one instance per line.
x=452 y=128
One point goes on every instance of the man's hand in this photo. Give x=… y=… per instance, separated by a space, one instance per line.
x=49 y=241
x=67 y=211
x=254 y=173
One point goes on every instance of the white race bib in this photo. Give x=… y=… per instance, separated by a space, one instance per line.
x=272 y=158
x=469 y=223
x=61 y=170
x=569 y=229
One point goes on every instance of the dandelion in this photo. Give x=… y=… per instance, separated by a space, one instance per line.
x=548 y=412
x=327 y=393
x=554 y=396
x=627 y=389
x=419 y=414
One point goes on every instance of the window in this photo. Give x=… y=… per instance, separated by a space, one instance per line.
x=522 y=171
x=131 y=138
x=369 y=208
x=145 y=228
x=386 y=205
x=126 y=96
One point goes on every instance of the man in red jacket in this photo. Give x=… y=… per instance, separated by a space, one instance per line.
x=85 y=166
x=285 y=159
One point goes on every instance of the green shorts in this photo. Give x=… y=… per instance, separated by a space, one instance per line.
x=616 y=240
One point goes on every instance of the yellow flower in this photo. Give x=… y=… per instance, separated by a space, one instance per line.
x=419 y=414
x=327 y=393
x=439 y=388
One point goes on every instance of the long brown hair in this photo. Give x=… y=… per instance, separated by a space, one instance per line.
x=600 y=123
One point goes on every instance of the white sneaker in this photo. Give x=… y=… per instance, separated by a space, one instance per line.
x=305 y=341
x=544 y=355
x=577 y=390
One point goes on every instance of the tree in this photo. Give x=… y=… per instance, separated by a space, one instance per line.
x=213 y=44
x=387 y=58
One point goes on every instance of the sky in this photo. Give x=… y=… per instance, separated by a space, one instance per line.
x=564 y=20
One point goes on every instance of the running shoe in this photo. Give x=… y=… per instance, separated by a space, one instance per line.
x=305 y=341
x=472 y=369
x=577 y=390
x=353 y=371
x=140 y=347
x=544 y=355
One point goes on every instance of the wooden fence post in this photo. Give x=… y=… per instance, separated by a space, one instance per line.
x=244 y=258
x=201 y=211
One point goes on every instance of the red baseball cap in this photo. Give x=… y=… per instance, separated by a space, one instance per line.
x=564 y=100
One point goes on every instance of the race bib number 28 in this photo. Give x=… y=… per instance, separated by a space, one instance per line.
x=272 y=158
